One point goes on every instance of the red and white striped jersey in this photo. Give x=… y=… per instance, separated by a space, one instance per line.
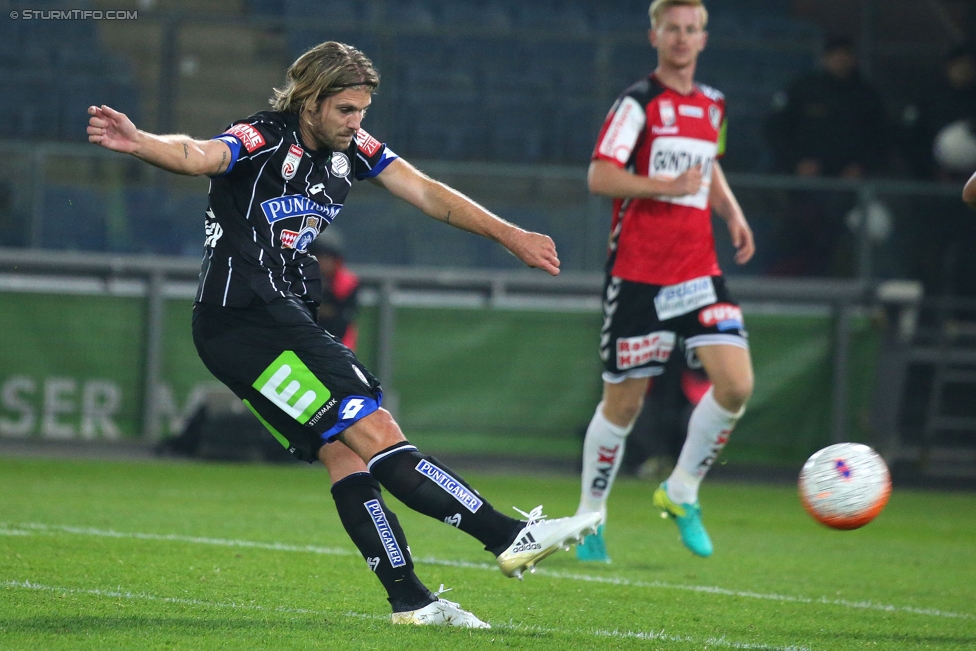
x=655 y=131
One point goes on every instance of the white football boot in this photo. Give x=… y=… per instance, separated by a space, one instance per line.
x=440 y=613
x=541 y=537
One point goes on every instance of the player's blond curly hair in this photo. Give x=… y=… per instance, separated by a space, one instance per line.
x=325 y=70
x=658 y=7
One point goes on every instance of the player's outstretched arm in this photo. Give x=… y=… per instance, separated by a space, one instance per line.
x=725 y=206
x=175 y=153
x=450 y=206
x=606 y=179
x=969 y=192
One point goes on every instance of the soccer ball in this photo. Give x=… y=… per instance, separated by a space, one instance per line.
x=845 y=486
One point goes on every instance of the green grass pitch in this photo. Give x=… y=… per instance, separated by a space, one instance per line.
x=166 y=555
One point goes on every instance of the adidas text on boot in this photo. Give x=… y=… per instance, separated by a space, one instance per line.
x=541 y=537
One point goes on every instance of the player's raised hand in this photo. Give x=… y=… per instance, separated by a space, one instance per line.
x=688 y=182
x=535 y=250
x=742 y=240
x=111 y=129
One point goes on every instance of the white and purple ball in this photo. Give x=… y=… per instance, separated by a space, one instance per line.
x=845 y=486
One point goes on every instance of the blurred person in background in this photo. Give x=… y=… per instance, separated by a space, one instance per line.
x=950 y=100
x=340 y=289
x=829 y=122
x=279 y=178
x=657 y=157
x=939 y=142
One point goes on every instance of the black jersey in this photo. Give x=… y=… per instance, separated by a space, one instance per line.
x=272 y=202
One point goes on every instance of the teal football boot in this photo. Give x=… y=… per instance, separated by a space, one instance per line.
x=688 y=519
x=593 y=549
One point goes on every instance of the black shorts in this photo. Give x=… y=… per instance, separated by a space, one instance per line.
x=300 y=381
x=643 y=323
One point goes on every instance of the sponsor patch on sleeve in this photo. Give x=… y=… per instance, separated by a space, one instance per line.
x=623 y=131
x=367 y=143
x=249 y=136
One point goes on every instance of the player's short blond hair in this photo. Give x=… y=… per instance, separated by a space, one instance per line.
x=325 y=70
x=658 y=7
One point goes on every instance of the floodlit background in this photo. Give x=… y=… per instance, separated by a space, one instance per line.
x=861 y=300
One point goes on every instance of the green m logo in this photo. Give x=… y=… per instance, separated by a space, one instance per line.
x=292 y=387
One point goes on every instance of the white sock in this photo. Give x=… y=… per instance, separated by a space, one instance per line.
x=708 y=432
x=603 y=450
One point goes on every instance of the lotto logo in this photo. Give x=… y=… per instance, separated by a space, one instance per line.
x=636 y=351
x=724 y=315
x=250 y=137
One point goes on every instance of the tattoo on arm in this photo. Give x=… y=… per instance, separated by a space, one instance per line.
x=447 y=217
x=186 y=151
x=223 y=162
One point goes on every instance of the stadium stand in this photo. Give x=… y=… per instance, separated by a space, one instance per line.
x=502 y=81
x=52 y=70
x=537 y=75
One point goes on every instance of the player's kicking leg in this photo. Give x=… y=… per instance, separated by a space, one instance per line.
x=730 y=370
x=603 y=452
x=428 y=486
x=377 y=534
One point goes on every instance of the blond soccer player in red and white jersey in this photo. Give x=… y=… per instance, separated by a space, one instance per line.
x=657 y=157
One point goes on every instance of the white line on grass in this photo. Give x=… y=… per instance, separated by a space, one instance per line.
x=29 y=528
x=119 y=593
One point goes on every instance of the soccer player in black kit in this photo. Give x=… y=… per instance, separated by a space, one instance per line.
x=278 y=178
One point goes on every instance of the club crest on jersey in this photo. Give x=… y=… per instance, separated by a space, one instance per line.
x=715 y=116
x=339 y=165
x=290 y=166
x=668 y=116
x=295 y=205
x=298 y=240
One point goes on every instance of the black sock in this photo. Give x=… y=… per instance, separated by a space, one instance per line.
x=429 y=487
x=376 y=532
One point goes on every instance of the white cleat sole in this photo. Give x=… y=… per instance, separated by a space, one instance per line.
x=440 y=613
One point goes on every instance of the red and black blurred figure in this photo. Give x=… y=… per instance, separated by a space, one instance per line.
x=340 y=290
x=659 y=431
